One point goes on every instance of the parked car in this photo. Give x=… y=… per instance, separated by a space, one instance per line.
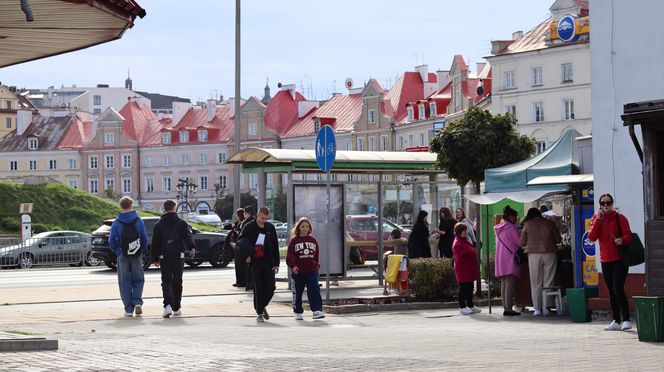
x=209 y=246
x=50 y=248
x=210 y=219
x=365 y=228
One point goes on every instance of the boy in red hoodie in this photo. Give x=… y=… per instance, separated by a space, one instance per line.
x=302 y=258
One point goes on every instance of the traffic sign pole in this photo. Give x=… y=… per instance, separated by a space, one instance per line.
x=326 y=150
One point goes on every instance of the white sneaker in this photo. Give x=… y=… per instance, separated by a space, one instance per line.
x=129 y=315
x=626 y=325
x=177 y=312
x=138 y=310
x=259 y=318
x=319 y=315
x=168 y=311
x=299 y=316
x=537 y=312
x=465 y=311
x=613 y=326
x=475 y=310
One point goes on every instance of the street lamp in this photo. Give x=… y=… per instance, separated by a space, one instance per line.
x=185 y=187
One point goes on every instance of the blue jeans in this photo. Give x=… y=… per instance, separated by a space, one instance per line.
x=131 y=281
x=309 y=280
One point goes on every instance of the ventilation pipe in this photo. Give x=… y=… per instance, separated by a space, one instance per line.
x=27 y=9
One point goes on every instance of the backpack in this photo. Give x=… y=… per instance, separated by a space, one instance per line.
x=171 y=242
x=130 y=240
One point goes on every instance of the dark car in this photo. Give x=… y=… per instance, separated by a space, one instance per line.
x=365 y=228
x=209 y=246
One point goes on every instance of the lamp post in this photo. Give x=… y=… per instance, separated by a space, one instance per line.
x=185 y=188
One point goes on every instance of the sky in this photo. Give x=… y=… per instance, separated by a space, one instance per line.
x=187 y=48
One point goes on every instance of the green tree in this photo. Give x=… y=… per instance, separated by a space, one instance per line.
x=479 y=141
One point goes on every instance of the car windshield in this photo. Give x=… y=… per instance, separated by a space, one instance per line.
x=41 y=235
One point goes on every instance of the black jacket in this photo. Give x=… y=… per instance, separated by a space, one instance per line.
x=247 y=242
x=170 y=226
x=418 y=241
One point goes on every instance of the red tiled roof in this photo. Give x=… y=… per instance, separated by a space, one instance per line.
x=140 y=124
x=281 y=111
x=341 y=112
x=219 y=128
x=409 y=88
x=533 y=40
x=79 y=132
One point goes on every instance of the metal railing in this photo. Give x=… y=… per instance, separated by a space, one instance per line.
x=45 y=251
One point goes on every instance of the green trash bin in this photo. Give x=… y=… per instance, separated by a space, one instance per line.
x=577 y=301
x=649 y=318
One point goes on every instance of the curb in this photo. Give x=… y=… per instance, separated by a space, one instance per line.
x=11 y=343
x=385 y=307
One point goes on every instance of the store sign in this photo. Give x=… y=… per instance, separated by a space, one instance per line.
x=570 y=28
x=589 y=269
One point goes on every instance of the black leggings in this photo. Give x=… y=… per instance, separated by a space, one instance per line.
x=615 y=274
x=466 y=295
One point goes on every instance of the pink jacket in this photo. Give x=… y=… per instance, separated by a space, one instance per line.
x=465 y=261
x=507 y=243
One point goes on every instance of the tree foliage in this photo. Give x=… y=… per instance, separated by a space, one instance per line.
x=224 y=207
x=479 y=141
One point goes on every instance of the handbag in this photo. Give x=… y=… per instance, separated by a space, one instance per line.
x=633 y=253
x=520 y=255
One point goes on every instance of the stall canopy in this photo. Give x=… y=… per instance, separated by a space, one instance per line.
x=558 y=160
x=523 y=196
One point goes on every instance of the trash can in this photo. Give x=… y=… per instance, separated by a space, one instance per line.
x=577 y=301
x=649 y=318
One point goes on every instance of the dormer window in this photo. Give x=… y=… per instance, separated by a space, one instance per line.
x=316 y=126
x=372 y=116
x=422 y=113
x=202 y=135
x=253 y=129
x=184 y=136
x=109 y=138
x=166 y=138
x=409 y=112
x=32 y=144
x=433 y=112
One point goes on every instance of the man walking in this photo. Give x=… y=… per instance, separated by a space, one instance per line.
x=129 y=240
x=263 y=261
x=170 y=237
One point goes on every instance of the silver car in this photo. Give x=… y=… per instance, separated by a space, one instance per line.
x=49 y=248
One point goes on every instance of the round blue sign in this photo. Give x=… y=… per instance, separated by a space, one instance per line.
x=326 y=148
x=567 y=28
x=588 y=246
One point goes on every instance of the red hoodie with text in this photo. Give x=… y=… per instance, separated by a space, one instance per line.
x=303 y=253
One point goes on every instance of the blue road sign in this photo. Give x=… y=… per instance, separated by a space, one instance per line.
x=326 y=148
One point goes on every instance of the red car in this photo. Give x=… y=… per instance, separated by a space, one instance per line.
x=364 y=228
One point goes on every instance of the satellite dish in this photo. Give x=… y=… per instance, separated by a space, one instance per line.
x=279 y=85
x=480 y=90
x=349 y=83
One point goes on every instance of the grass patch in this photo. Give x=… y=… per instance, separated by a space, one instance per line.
x=22 y=333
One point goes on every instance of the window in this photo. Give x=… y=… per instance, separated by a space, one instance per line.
x=184 y=136
x=383 y=143
x=511 y=109
x=536 y=73
x=32 y=164
x=433 y=110
x=202 y=158
x=222 y=182
x=13 y=165
x=73 y=184
x=400 y=143
x=71 y=163
x=202 y=135
x=167 y=160
x=422 y=112
x=126 y=161
x=126 y=185
x=96 y=111
x=538 y=112
x=567 y=73
x=184 y=159
x=457 y=97
x=167 y=184
x=253 y=180
x=149 y=184
x=541 y=146
x=166 y=138
x=316 y=126
x=109 y=184
x=203 y=184
x=410 y=143
x=9 y=105
x=109 y=161
x=32 y=144
x=252 y=129
x=422 y=140
x=372 y=143
x=268 y=180
x=93 y=187
x=221 y=157
x=9 y=123
x=568 y=109
x=409 y=113
x=372 y=116
x=360 y=144
x=149 y=161
x=96 y=100
x=52 y=164
x=109 y=138
x=93 y=162
x=349 y=146
x=509 y=82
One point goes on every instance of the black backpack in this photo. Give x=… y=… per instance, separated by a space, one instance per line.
x=172 y=241
x=130 y=240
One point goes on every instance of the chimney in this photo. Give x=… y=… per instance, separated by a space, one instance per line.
x=303 y=107
x=336 y=94
x=480 y=67
x=179 y=110
x=424 y=72
x=498 y=46
x=231 y=106
x=443 y=78
x=517 y=35
x=211 y=108
x=292 y=88
x=23 y=120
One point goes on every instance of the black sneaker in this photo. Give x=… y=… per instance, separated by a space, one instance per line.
x=266 y=315
x=511 y=313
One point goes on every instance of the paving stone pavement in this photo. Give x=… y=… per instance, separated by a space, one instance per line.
x=436 y=340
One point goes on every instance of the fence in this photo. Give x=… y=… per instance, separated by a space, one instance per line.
x=62 y=249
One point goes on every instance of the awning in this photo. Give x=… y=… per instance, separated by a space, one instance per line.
x=524 y=196
x=571 y=179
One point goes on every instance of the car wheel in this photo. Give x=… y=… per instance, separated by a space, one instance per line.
x=223 y=257
x=92 y=261
x=193 y=263
x=111 y=265
x=25 y=261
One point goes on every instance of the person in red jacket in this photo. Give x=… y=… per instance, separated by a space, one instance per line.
x=302 y=258
x=465 y=268
x=604 y=227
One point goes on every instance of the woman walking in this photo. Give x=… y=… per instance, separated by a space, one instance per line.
x=465 y=269
x=445 y=232
x=302 y=258
x=612 y=230
x=507 y=243
x=418 y=241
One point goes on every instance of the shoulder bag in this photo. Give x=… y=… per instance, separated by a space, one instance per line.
x=634 y=253
x=520 y=255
